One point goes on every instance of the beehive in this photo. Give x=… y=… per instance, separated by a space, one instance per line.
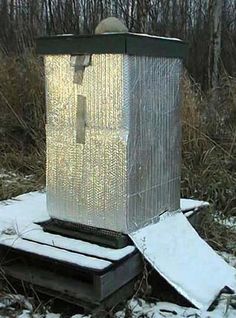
x=113 y=128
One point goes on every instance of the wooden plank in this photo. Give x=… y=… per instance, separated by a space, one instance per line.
x=119 y=296
x=47 y=279
x=95 y=308
x=54 y=253
x=77 y=246
x=112 y=280
x=68 y=279
x=11 y=255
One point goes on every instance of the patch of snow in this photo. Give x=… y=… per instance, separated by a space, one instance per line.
x=23 y=210
x=5 y=174
x=25 y=314
x=229 y=258
x=65 y=34
x=190 y=204
x=186 y=261
x=140 y=308
x=28 y=314
x=229 y=222
x=10 y=177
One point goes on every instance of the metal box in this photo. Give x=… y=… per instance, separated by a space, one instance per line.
x=113 y=128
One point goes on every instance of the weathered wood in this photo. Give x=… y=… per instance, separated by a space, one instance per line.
x=80 y=285
x=96 y=308
x=44 y=278
x=112 y=280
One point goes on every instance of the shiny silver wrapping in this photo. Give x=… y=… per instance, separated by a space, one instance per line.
x=113 y=139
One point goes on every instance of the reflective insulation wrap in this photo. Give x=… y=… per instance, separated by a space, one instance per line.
x=113 y=139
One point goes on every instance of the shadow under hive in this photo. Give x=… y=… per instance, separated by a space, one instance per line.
x=113 y=129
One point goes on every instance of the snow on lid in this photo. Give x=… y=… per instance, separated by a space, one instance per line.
x=131 y=33
x=156 y=36
x=64 y=34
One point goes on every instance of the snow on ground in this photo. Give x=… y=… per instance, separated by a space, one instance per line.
x=229 y=258
x=28 y=314
x=229 y=222
x=9 y=180
x=138 y=308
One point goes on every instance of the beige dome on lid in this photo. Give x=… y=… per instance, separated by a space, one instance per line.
x=110 y=25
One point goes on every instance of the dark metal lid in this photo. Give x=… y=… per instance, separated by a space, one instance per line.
x=114 y=43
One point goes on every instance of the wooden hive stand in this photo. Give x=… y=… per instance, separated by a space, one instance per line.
x=90 y=281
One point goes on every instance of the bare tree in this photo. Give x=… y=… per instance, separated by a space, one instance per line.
x=216 y=40
x=198 y=22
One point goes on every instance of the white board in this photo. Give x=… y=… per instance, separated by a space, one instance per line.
x=54 y=253
x=186 y=261
x=77 y=246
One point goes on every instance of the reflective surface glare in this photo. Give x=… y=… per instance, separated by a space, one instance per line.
x=126 y=170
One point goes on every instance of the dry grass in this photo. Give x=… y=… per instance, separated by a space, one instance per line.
x=219 y=236
x=209 y=150
x=22 y=121
x=209 y=158
x=209 y=143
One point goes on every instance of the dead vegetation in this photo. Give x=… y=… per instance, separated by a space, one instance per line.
x=209 y=158
x=22 y=122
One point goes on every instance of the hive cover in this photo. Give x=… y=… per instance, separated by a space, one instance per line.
x=113 y=128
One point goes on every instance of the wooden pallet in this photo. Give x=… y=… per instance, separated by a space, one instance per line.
x=89 y=288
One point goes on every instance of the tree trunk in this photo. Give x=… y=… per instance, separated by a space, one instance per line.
x=216 y=41
x=212 y=111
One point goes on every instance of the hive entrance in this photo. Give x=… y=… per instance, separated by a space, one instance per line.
x=87 y=233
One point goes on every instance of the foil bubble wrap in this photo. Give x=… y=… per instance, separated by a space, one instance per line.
x=113 y=139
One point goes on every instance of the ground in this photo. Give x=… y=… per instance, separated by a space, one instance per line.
x=135 y=308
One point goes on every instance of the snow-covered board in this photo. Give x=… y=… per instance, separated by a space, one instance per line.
x=54 y=253
x=186 y=261
x=190 y=204
x=78 y=246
